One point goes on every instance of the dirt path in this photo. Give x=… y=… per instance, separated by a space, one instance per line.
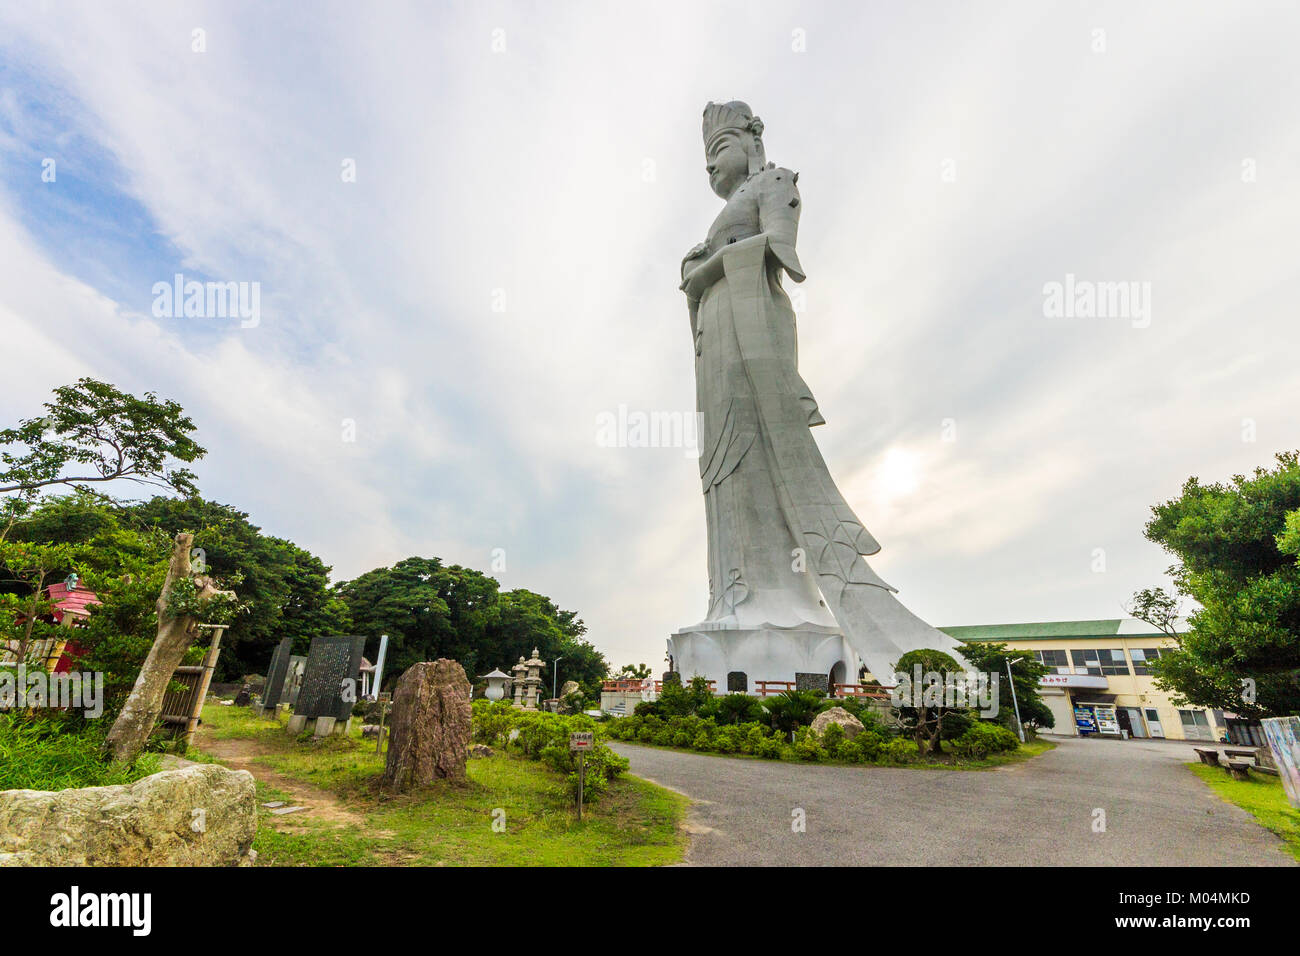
x=241 y=754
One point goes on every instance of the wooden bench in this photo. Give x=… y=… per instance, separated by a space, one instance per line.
x=1210 y=757
x=1242 y=754
x=1240 y=769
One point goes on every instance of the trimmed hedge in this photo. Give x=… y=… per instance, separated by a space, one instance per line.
x=543 y=736
x=983 y=738
x=871 y=746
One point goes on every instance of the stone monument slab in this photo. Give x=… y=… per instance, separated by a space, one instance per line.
x=293 y=679
x=806 y=681
x=323 y=697
x=273 y=689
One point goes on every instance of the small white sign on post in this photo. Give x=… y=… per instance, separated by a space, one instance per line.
x=581 y=741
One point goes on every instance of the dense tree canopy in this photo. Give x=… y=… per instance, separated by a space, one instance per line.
x=1238 y=548
x=286 y=587
x=430 y=610
x=124 y=567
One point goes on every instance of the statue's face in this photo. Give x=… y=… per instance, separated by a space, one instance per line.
x=727 y=162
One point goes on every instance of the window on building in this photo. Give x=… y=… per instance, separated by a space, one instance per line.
x=1112 y=661
x=1055 y=659
x=1086 y=662
x=1142 y=658
x=1099 y=662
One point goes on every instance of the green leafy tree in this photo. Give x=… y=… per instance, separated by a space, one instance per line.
x=286 y=588
x=90 y=434
x=931 y=722
x=430 y=610
x=992 y=658
x=26 y=625
x=1238 y=551
x=124 y=567
x=528 y=619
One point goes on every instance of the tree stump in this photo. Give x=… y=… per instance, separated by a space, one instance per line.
x=430 y=731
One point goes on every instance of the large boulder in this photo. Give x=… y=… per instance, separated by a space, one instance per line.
x=151 y=822
x=563 y=704
x=837 y=715
x=430 y=732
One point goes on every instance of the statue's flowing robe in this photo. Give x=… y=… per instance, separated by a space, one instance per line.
x=785 y=548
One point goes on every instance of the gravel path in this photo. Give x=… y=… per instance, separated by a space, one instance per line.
x=1036 y=813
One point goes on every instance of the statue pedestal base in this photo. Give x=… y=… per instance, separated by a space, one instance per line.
x=737 y=658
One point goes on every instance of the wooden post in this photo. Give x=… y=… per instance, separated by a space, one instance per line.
x=582 y=779
x=205 y=680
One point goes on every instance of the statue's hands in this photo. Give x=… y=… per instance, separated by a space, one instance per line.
x=693 y=260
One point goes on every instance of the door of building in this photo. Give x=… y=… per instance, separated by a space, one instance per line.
x=1130 y=719
x=1196 y=726
x=1153 y=723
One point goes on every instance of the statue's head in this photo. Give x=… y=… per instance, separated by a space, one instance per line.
x=733 y=145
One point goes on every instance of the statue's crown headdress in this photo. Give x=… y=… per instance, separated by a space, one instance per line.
x=725 y=116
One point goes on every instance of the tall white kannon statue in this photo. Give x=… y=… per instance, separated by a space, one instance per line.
x=790 y=590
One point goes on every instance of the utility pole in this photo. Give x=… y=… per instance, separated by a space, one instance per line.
x=1020 y=727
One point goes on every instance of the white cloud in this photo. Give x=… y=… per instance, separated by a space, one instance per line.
x=527 y=172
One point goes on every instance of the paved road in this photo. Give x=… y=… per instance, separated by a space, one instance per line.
x=1036 y=813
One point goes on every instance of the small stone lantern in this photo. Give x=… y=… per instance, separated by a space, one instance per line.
x=496 y=685
x=533 y=681
x=519 y=670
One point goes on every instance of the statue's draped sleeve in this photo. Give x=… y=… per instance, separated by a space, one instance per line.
x=778 y=216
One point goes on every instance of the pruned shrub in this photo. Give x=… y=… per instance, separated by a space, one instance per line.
x=983 y=738
x=544 y=736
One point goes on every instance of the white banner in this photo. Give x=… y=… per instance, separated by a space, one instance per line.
x=1283 y=736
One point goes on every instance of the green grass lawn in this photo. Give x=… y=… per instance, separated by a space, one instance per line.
x=1262 y=796
x=42 y=755
x=634 y=824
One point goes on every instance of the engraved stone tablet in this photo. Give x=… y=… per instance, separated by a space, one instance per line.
x=274 y=688
x=804 y=681
x=330 y=662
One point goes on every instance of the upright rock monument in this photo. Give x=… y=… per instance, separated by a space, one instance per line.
x=430 y=731
x=791 y=595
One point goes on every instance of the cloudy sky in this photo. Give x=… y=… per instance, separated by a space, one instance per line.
x=502 y=269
